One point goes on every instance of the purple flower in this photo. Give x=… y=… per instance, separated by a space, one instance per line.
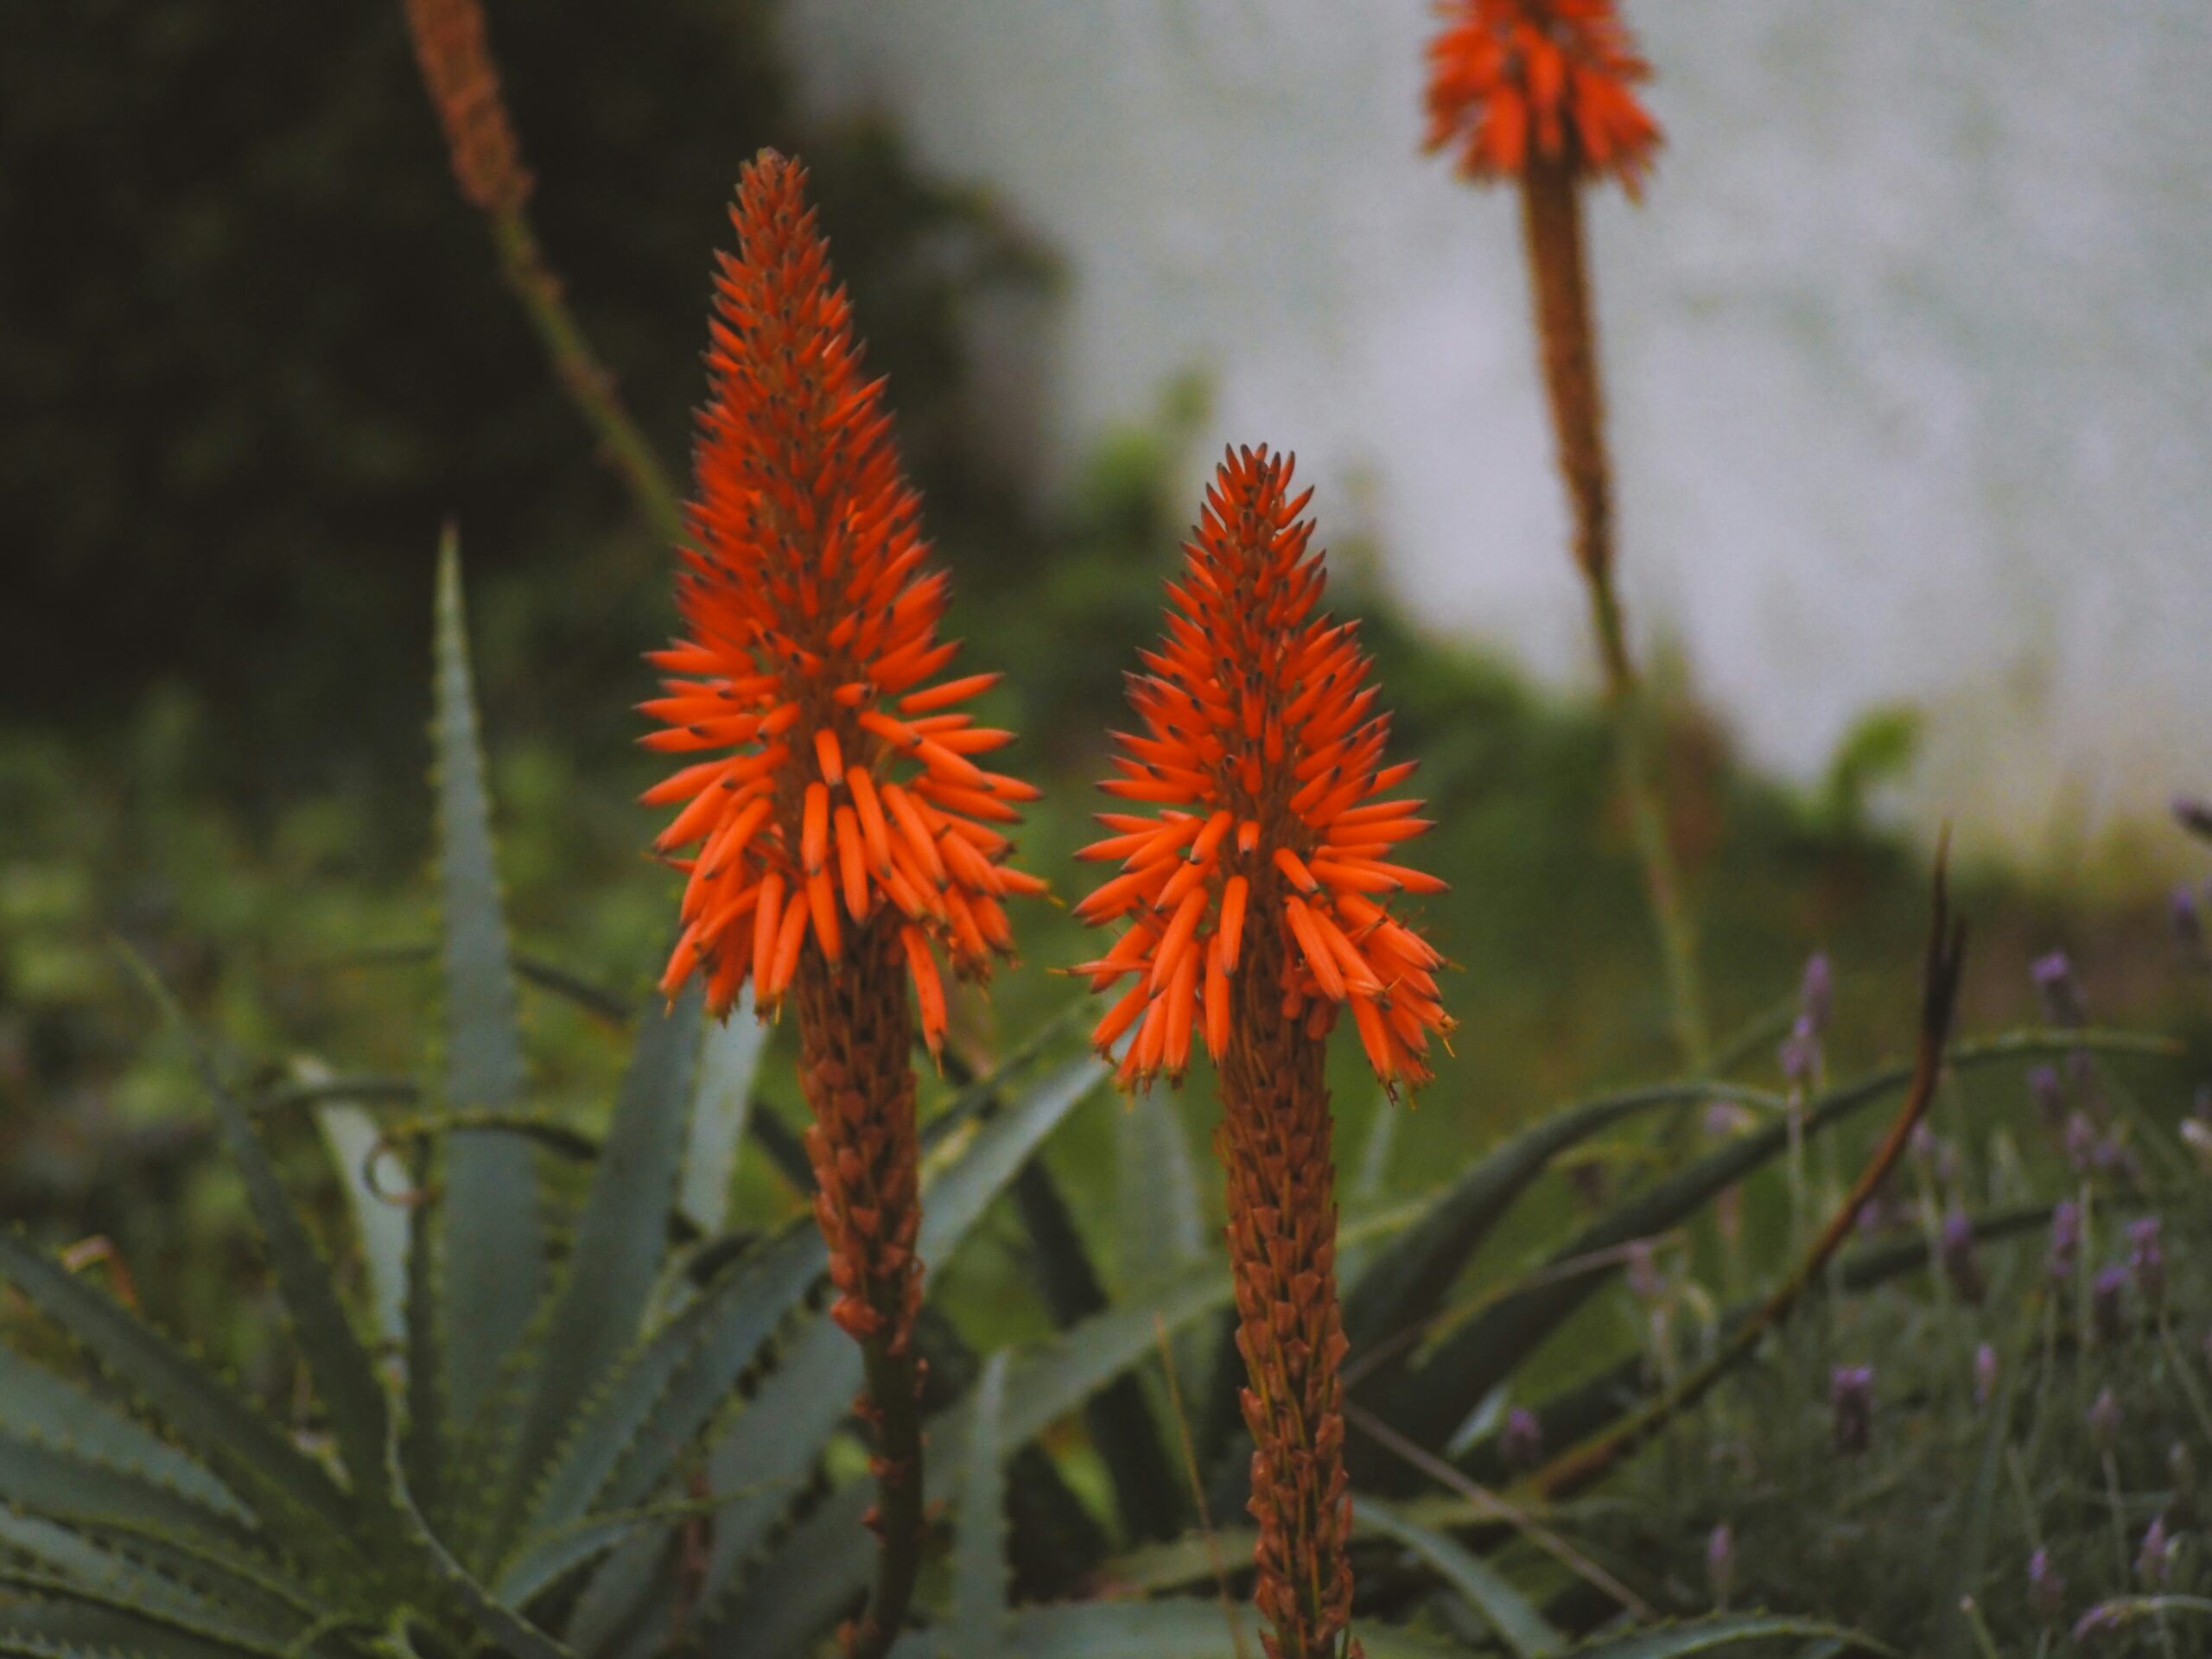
x=2154 y=1560
x=2107 y=1308
x=1816 y=993
x=1850 y=1394
x=2049 y=1093
x=2111 y=1157
x=1961 y=1265
x=2104 y=1421
x=1985 y=1375
x=1521 y=1443
x=2146 y=1259
x=1720 y=1563
x=2046 y=1590
x=2059 y=990
x=2065 y=1238
x=2091 y=1627
x=1800 y=1053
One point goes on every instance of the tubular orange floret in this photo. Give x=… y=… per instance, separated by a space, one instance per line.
x=1513 y=79
x=811 y=651
x=1259 y=746
x=456 y=56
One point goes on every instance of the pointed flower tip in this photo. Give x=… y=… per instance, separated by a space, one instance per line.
x=1515 y=81
x=1270 y=835
x=829 y=787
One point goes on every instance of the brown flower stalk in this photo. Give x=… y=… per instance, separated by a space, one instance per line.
x=844 y=834
x=454 y=51
x=1540 y=92
x=1256 y=903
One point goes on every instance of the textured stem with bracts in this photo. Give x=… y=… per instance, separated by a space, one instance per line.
x=1274 y=1144
x=1566 y=344
x=855 y=1045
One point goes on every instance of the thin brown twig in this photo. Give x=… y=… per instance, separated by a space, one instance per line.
x=1199 y=1489
x=1945 y=962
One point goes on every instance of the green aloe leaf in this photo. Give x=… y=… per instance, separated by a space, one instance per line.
x=1404 y=1284
x=973 y=1164
x=83 y=1573
x=961 y=1175
x=57 y=1480
x=1505 y=1610
x=254 y=1583
x=637 y=1424
x=287 y=1489
x=825 y=1560
x=351 y=1135
x=622 y=1236
x=464 y=1600
x=423 y=1442
x=36 y=1401
x=1159 y=1219
x=779 y=1437
x=345 y=1380
x=552 y=1558
x=978 y=1627
x=1148 y=1490
x=775 y=1444
x=720 y=1106
x=493 y=1255
x=1718 y=1634
x=52 y=1628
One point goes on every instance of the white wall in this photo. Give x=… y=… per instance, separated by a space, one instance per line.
x=1910 y=348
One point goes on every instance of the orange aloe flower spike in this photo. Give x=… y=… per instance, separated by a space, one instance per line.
x=1255 y=897
x=1513 y=81
x=1257 y=714
x=811 y=637
x=836 y=812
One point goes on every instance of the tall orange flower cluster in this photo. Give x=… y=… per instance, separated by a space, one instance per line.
x=841 y=794
x=843 y=831
x=1552 y=80
x=457 y=68
x=1257 y=897
x=1263 y=750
